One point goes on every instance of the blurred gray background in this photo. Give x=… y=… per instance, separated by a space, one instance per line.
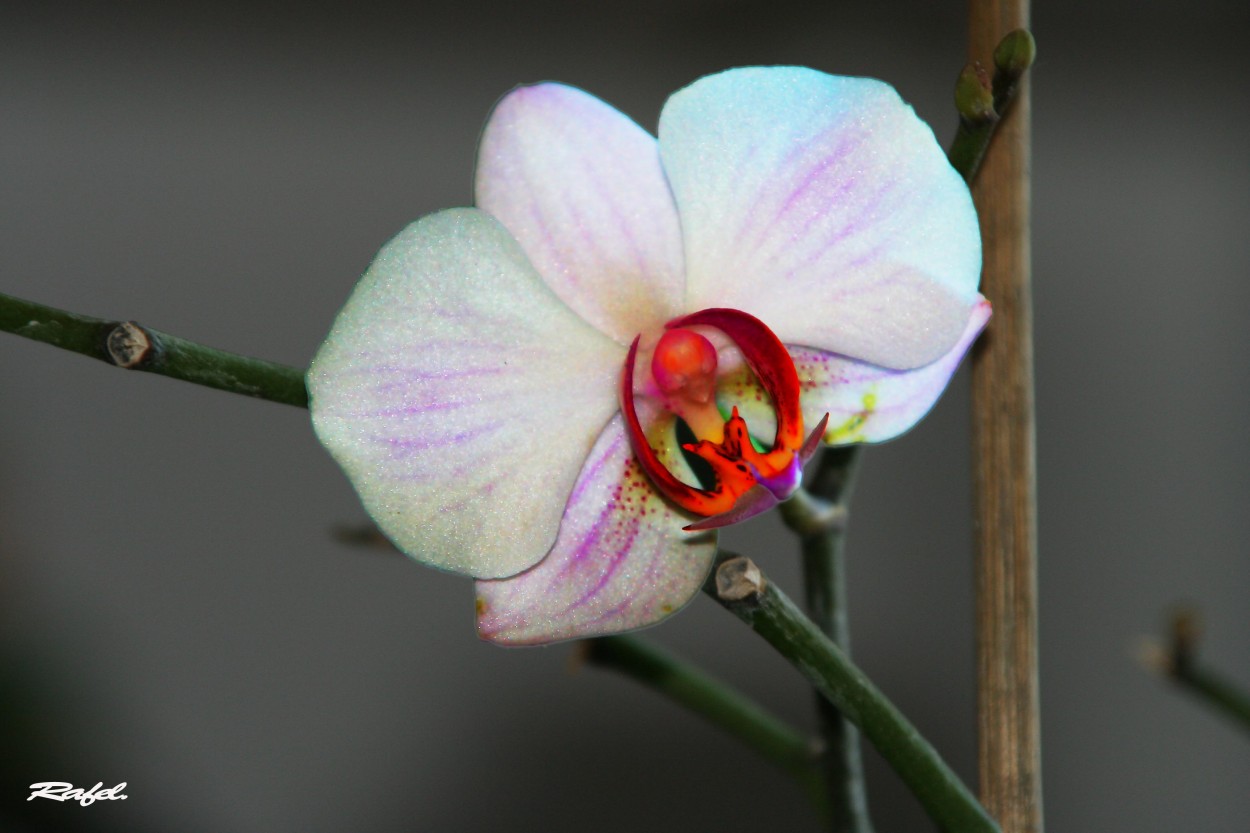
x=175 y=612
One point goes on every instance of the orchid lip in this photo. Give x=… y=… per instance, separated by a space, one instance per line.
x=747 y=481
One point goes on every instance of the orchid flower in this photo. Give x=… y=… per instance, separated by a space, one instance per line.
x=792 y=260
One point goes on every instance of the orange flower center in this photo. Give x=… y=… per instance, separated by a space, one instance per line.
x=683 y=367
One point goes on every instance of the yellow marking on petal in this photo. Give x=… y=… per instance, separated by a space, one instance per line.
x=851 y=431
x=664 y=441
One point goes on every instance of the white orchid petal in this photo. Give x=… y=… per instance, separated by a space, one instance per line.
x=621 y=560
x=865 y=403
x=825 y=207
x=461 y=396
x=581 y=188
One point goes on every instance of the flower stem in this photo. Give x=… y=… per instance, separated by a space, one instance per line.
x=739 y=587
x=131 y=346
x=712 y=700
x=819 y=518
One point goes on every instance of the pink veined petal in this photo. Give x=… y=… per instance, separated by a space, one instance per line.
x=823 y=206
x=581 y=188
x=461 y=396
x=865 y=403
x=621 y=560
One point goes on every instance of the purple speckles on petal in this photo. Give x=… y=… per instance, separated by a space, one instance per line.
x=620 y=561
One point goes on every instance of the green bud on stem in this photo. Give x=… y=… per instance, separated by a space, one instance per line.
x=1015 y=53
x=974 y=98
x=1012 y=58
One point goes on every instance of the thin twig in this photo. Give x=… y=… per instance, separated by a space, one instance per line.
x=131 y=346
x=1217 y=691
x=779 y=621
x=714 y=701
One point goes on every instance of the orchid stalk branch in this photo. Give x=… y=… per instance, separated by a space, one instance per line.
x=742 y=589
x=131 y=346
x=715 y=702
x=818 y=516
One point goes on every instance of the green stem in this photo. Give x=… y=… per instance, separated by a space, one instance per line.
x=779 y=621
x=1215 y=690
x=819 y=518
x=712 y=700
x=130 y=346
